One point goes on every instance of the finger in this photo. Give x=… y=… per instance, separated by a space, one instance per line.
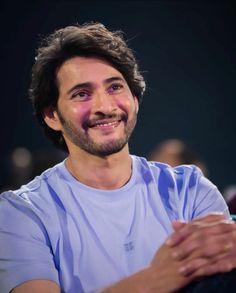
x=204 y=267
x=208 y=247
x=212 y=217
x=228 y=253
x=190 y=228
x=223 y=266
x=180 y=234
x=190 y=268
x=177 y=225
x=208 y=241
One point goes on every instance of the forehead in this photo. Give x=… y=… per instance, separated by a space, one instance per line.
x=86 y=69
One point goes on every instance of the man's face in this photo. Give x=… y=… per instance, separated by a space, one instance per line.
x=96 y=110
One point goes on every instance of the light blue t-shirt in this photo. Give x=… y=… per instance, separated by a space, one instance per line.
x=85 y=239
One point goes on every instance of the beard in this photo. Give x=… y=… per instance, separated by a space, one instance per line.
x=83 y=141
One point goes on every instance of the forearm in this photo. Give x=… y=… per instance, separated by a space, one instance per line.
x=37 y=286
x=185 y=258
x=139 y=283
x=149 y=280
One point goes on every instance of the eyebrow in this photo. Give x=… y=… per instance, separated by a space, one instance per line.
x=90 y=84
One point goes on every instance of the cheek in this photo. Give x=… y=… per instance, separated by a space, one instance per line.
x=127 y=105
x=78 y=113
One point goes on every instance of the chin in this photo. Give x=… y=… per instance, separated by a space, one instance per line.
x=107 y=149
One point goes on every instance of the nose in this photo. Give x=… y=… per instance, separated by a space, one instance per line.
x=104 y=103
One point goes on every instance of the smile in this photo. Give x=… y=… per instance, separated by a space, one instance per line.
x=106 y=125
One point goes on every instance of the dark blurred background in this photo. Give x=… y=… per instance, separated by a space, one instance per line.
x=186 y=49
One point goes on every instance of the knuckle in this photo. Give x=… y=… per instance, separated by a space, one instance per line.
x=234 y=235
x=202 y=271
x=212 y=269
x=229 y=267
x=225 y=266
x=227 y=226
x=228 y=247
x=196 y=225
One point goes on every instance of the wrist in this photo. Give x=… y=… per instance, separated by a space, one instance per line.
x=138 y=283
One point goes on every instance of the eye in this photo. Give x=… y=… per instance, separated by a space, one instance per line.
x=82 y=94
x=115 y=87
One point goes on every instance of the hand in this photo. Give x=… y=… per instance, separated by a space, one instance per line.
x=166 y=271
x=205 y=246
x=172 y=268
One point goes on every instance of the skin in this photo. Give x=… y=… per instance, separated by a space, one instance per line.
x=104 y=113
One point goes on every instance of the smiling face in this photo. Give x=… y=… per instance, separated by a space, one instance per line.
x=96 y=110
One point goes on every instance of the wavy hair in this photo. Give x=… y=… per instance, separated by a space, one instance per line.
x=87 y=40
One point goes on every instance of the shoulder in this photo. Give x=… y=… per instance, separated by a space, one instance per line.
x=185 y=191
x=167 y=174
x=184 y=181
x=32 y=207
x=39 y=186
x=33 y=200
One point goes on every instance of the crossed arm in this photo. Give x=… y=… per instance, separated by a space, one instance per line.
x=196 y=249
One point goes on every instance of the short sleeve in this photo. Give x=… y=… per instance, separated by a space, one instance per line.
x=208 y=199
x=25 y=252
x=198 y=195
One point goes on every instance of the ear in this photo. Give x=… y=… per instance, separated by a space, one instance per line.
x=51 y=118
x=136 y=104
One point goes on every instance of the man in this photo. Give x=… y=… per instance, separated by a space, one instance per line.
x=103 y=220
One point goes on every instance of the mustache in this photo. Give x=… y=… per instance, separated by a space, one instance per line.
x=100 y=117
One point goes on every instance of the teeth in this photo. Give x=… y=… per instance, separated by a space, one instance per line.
x=106 y=124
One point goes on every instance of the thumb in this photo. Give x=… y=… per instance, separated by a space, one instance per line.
x=177 y=225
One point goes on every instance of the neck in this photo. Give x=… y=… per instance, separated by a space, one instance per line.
x=106 y=173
